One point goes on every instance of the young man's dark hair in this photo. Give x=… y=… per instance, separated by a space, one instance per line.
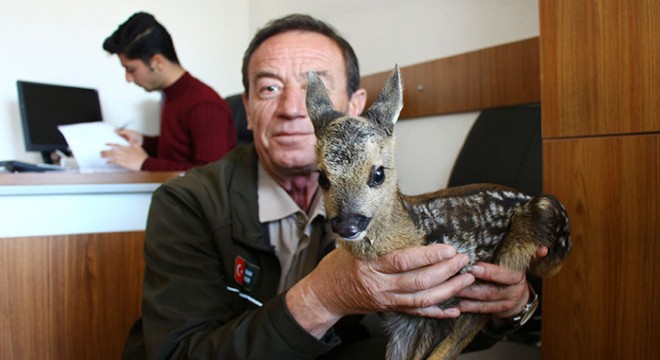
x=141 y=37
x=299 y=22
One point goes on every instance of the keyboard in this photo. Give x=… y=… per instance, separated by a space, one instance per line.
x=20 y=166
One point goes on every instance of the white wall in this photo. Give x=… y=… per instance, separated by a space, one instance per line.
x=60 y=42
x=385 y=32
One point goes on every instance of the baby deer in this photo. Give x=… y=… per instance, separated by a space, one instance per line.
x=370 y=217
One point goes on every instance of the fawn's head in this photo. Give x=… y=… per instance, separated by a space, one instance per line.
x=355 y=156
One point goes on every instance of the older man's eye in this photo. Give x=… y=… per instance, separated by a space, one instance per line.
x=270 y=91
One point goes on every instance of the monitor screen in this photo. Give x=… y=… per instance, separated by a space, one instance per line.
x=43 y=107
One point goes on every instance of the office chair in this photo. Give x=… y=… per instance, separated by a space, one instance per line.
x=244 y=136
x=502 y=147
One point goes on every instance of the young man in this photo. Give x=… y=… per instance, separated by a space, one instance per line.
x=196 y=123
x=237 y=262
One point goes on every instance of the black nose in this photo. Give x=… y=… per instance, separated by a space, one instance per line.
x=349 y=225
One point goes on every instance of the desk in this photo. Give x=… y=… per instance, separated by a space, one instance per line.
x=35 y=204
x=71 y=262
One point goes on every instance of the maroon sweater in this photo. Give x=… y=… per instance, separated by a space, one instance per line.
x=196 y=128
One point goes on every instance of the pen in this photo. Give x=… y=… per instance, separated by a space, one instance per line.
x=124 y=126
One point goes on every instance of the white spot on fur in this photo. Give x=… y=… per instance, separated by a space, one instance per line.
x=494 y=194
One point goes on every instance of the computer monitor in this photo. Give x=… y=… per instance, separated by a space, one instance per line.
x=44 y=107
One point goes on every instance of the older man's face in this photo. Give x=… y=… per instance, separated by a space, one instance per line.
x=277 y=114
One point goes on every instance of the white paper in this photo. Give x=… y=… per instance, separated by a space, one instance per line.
x=87 y=140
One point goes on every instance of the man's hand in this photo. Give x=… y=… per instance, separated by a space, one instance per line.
x=130 y=157
x=502 y=292
x=133 y=137
x=412 y=280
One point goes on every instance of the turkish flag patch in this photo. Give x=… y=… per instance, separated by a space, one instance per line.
x=239 y=270
x=245 y=273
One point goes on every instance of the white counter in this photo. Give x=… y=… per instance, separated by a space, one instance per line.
x=59 y=204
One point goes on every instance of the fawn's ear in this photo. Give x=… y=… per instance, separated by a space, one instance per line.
x=387 y=107
x=319 y=106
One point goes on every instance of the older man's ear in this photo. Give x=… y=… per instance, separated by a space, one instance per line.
x=357 y=102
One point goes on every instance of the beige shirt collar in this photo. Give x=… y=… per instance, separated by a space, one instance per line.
x=276 y=204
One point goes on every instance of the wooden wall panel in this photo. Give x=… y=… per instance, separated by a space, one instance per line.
x=604 y=304
x=69 y=297
x=600 y=86
x=600 y=67
x=494 y=77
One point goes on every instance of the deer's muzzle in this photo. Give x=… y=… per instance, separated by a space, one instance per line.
x=349 y=226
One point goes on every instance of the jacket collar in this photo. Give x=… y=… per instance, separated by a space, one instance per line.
x=243 y=191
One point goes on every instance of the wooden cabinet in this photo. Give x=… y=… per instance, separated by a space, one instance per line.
x=67 y=294
x=600 y=96
x=600 y=67
x=604 y=303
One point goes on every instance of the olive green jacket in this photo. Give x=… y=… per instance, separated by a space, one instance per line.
x=202 y=229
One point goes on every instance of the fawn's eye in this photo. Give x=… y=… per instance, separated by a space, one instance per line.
x=324 y=183
x=377 y=176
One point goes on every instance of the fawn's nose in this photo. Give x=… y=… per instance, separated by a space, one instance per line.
x=349 y=226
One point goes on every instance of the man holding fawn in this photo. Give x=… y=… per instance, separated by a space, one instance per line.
x=237 y=261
